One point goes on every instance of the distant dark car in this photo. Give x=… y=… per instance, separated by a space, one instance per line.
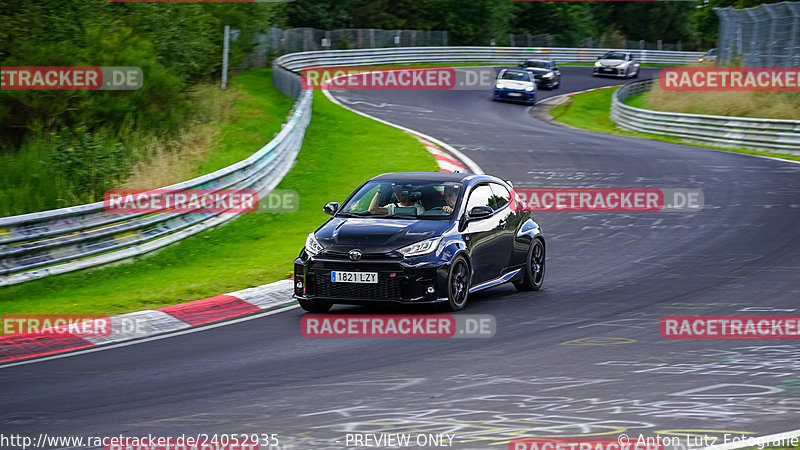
x=617 y=64
x=515 y=85
x=419 y=238
x=709 y=56
x=546 y=72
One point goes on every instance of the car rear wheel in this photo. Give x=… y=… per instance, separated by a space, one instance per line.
x=534 y=268
x=315 y=307
x=458 y=284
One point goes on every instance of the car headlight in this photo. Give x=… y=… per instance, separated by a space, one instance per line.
x=313 y=247
x=420 y=248
x=597 y=64
x=529 y=88
x=548 y=75
x=499 y=86
x=622 y=65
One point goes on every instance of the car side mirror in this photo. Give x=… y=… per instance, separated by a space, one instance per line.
x=480 y=212
x=331 y=208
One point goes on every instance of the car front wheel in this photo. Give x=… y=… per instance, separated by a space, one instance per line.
x=458 y=284
x=534 y=268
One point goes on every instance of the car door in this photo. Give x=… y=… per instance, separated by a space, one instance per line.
x=506 y=226
x=486 y=255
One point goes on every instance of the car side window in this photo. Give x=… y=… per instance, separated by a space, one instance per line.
x=480 y=196
x=500 y=196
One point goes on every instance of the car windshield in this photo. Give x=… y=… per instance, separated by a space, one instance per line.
x=538 y=64
x=516 y=76
x=614 y=55
x=404 y=199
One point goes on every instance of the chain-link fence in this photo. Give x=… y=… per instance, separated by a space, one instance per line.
x=551 y=40
x=276 y=41
x=765 y=36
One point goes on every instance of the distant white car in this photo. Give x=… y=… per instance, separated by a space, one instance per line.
x=616 y=64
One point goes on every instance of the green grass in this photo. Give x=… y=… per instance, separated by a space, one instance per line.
x=259 y=115
x=341 y=150
x=590 y=111
x=637 y=101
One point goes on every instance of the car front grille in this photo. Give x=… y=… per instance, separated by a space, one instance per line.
x=387 y=288
x=505 y=94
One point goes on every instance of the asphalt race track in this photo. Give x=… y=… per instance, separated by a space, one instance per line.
x=583 y=357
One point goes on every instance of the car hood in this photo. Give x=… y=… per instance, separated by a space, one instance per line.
x=377 y=235
x=513 y=84
x=612 y=62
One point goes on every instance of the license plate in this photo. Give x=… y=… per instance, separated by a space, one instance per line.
x=354 y=277
x=514 y=94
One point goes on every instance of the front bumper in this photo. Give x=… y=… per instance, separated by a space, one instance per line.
x=514 y=95
x=546 y=82
x=610 y=71
x=398 y=281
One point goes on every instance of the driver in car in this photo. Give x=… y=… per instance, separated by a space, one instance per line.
x=450 y=196
x=402 y=201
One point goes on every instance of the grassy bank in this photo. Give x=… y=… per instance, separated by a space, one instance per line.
x=341 y=149
x=590 y=111
x=756 y=104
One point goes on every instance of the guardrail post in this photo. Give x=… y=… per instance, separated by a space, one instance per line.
x=225 y=52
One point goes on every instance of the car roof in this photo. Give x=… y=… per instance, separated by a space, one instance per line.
x=539 y=60
x=464 y=177
x=424 y=176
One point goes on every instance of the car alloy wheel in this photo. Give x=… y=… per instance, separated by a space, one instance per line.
x=534 y=269
x=458 y=281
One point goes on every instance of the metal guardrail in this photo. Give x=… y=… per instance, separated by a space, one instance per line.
x=501 y=55
x=39 y=244
x=762 y=134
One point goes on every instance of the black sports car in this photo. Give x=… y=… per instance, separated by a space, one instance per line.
x=419 y=237
x=547 y=74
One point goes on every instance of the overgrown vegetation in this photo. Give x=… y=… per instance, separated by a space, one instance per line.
x=59 y=148
x=757 y=104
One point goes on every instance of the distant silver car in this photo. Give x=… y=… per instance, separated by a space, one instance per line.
x=616 y=64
